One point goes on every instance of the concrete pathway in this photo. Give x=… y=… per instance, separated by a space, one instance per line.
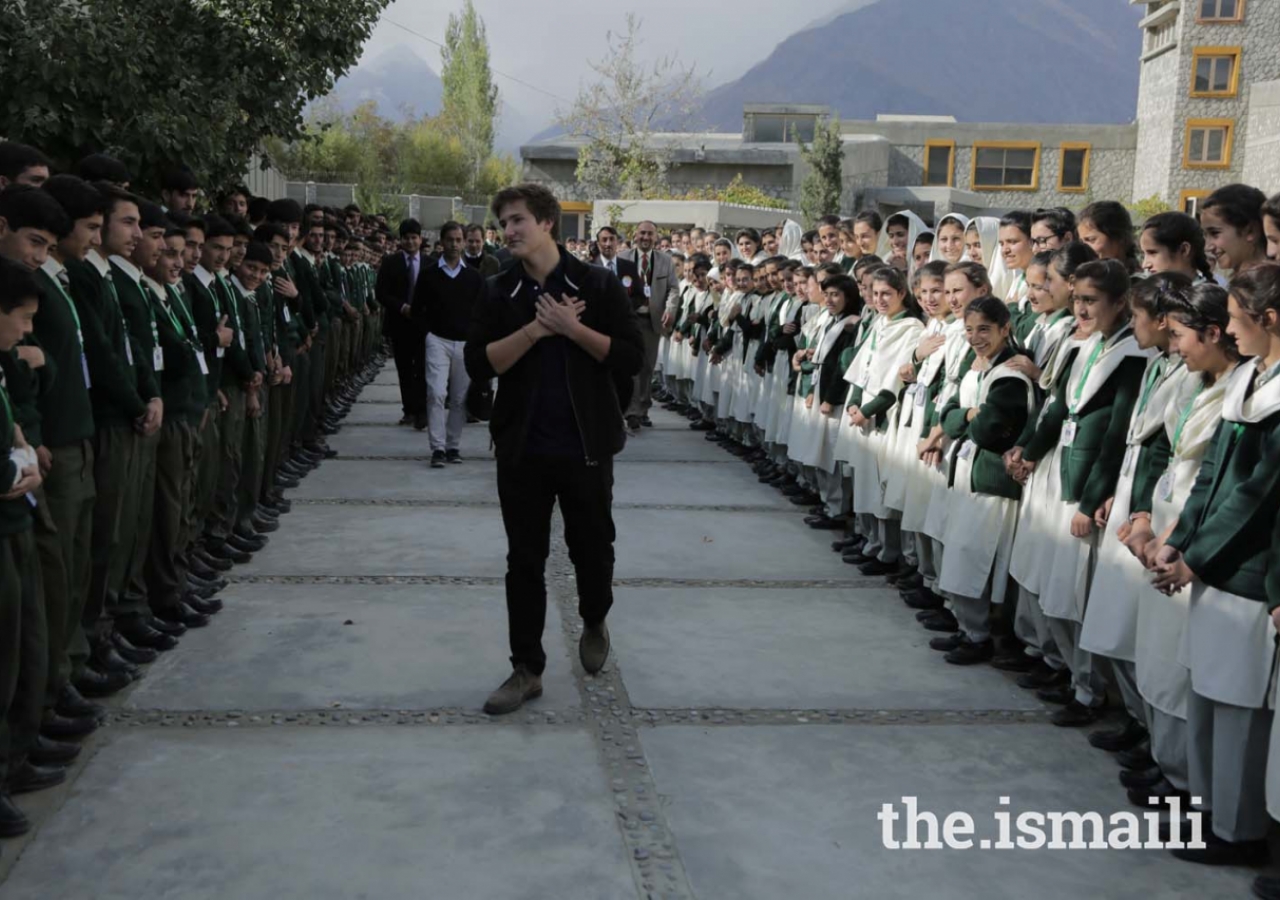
x=322 y=740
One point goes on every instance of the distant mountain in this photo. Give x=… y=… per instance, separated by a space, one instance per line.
x=1068 y=61
x=399 y=80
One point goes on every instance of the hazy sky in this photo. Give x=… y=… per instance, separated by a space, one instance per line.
x=548 y=43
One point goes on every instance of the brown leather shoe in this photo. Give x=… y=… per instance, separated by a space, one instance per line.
x=593 y=647
x=521 y=686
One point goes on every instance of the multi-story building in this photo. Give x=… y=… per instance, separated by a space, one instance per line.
x=1208 y=113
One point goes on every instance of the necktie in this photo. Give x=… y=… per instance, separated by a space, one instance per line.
x=644 y=267
x=413 y=276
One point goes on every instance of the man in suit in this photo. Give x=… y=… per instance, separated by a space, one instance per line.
x=658 y=284
x=607 y=239
x=474 y=255
x=397 y=280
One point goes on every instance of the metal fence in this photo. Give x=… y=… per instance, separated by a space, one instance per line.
x=432 y=210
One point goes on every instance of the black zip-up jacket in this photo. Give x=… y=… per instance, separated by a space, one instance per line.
x=599 y=391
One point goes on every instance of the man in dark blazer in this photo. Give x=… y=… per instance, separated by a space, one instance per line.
x=397 y=279
x=659 y=284
x=474 y=254
x=608 y=240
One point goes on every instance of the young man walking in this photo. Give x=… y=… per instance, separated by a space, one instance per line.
x=562 y=340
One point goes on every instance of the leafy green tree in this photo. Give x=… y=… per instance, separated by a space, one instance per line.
x=159 y=82
x=470 y=104
x=823 y=183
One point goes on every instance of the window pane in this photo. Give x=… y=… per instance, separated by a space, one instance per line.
x=1196 y=152
x=992 y=157
x=1018 y=177
x=1073 y=169
x=938 y=165
x=986 y=177
x=768 y=129
x=1204 y=69
x=1222 y=74
x=1022 y=159
x=1216 y=140
x=1227 y=9
x=802 y=128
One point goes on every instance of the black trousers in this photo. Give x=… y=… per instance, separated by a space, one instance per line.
x=410 y=347
x=528 y=491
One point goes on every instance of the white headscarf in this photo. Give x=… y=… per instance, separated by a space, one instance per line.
x=915 y=225
x=936 y=253
x=789 y=241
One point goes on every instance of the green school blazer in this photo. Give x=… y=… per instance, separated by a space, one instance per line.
x=994 y=430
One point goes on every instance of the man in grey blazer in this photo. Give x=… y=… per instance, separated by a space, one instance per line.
x=661 y=286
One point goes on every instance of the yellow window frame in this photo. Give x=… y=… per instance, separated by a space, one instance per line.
x=1228 y=124
x=1238 y=18
x=1005 y=145
x=950 y=147
x=1190 y=194
x=1232 y=53
x=1084 y=172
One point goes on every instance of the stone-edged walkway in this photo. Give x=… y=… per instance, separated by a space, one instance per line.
x=323 y=739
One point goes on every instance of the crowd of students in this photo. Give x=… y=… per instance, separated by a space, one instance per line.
x=165 y=373
x=1056 y=434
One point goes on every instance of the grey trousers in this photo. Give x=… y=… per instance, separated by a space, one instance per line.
x=973 y=614
x=1091 y=687
x=1032 y=628
x=1124 y=674
x=889 y=531
x=1227 y=765
x=926 y=561
x=831 y=489
x=1169 y=745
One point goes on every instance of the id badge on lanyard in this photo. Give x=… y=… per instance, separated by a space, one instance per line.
x=157 y=358
x=1164 y=487
x=1068 y=436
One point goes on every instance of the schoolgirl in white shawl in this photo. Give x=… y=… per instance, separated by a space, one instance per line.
x=948 y=240
x=899 y=238
x=1196 y=320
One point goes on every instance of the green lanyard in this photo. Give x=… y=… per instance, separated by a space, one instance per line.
x=175 y=299
x=1182 y=419
x=1088 y=367
x=1153 y=376
x=235 y=307
x=72 y=307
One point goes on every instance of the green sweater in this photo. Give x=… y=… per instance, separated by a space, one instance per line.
x=114 y=396
x=993 y=431
x=66 y=412
x=143 y=328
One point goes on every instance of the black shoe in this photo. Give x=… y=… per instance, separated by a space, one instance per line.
x=105 y=659
x=943 y=621
x=72 y=705
x=1060 y=694
x=30 y=778
x=923 y=615
x=405 y=420
x=284 y=505
x=143 y=634
x=922 y=599
x=1141 y=778
x=646 y=421
x=286 y=481
x=182 y=614
x=247 y=545
x=875 y=567
x=200 y=569
x=1138 y=758
x=228 y=553
x=846 y=545
x=420 y=422
x=969 y=653
x=806 y=499
x=1043 y=675
x=12 y=821
x=1075 y=714
x=130 y=652
x=948 y=643
x=912 y=582
x=1217 y=852
x=62 y=728
x=633 y=424
x=204 y=592
x=1013 y=662
x=205 y=607
x=92 y=683
x=856 y=558
x=216 y=563
x=452 y=456
x=437 y=459
x=1131 y=735
x=702 y=425
x=263 y=524
x=825 y=524
x=1266 y=887
x=48 y=752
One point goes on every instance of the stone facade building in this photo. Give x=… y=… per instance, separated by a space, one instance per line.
x=1208 y=113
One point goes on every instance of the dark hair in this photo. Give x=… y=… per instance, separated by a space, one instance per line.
x=224 y=196
x=830 y=269
x=870 y=217
x=217 y=226
x=240 y=227
x=17 y=285
x=173 y=229
x=974 y=272
x=24 y=206
x=100 y=167
x=541 y=203
x=258 y=207
x=1272 y=208
x=1172 y=230
x=897 y=280
x=898 y=219
x=832 y=220
x=723 y=242
x=606 y=229
x=935 y=269
x=150 y=215
x=750 y=233
x=474 y=227
x=284 y=210
x=113 y=197
x=993 y=310
x=1019 y=219
x=1257 y=289
x=186 y=223
x=1058 y=219
x=853 y=303
x=1041 y=260
x=1071 y=256
x=16 y=158
x=1239 y=205
x=924 y=237
x=452 y=226
x=1111 y=276
x=701 y=261
x=1201 y=306
x=809 y=237
x=179 y=178
x=1113 y=220
x=410 y=226
x=78 y=198
x=259 y=252
x=1155 y=295
x=862 y=263
x=351 y=208
x=268 y=230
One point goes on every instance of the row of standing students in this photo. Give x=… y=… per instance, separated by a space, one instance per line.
x=1072 y=473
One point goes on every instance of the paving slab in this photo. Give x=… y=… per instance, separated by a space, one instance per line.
x=367 y=647
x=378 y=392
x=373 y=413
x=790 y=811
x=335 y=540
x=476 y=481
x=701 y=544
x=758 y=648
x=333 y=814
x=401 y=440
